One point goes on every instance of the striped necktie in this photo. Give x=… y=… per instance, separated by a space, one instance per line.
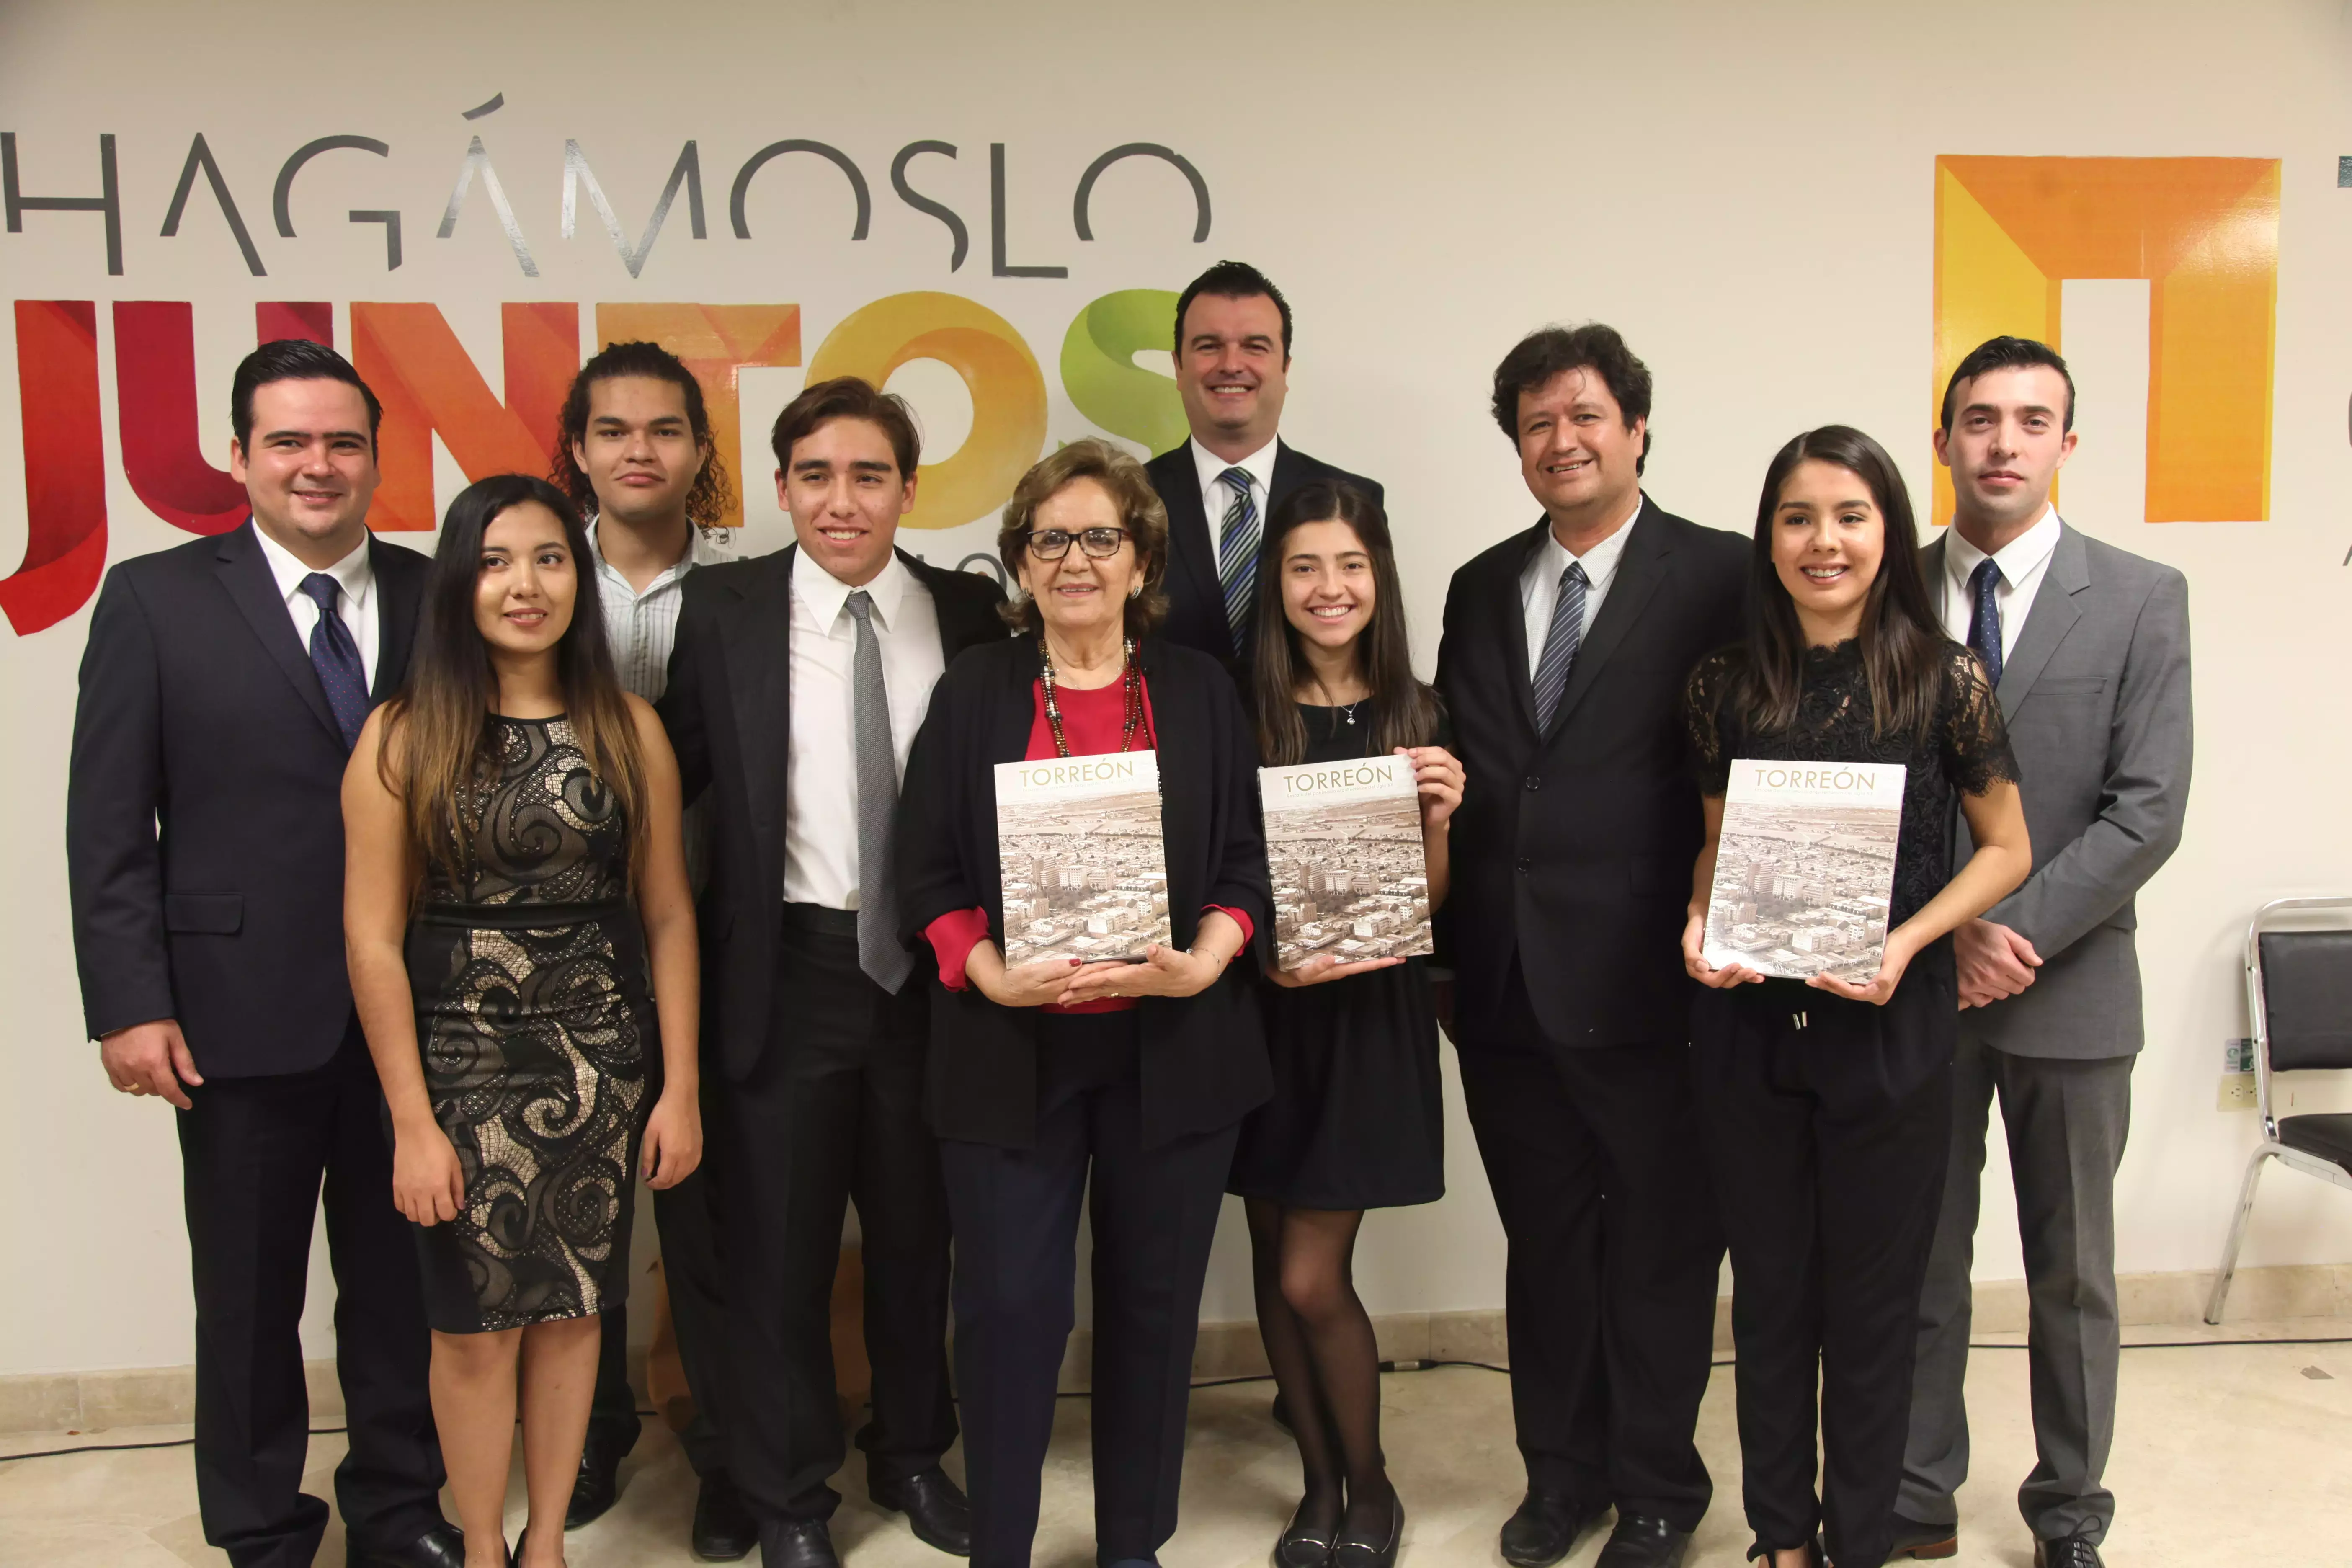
x=1560 y=642
x=1237 y=556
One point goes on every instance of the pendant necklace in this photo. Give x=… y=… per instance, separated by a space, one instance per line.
x=1130 y=677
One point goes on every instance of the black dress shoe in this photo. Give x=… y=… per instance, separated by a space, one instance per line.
x=1914 y=1540
x=1643 y=1541
x=2066 y=1551
x=1304 y=1542
x=1357 y=1552
x=443 y=1546
x=597 y=1488
x=724 y=1529
x=796 y=1544
x=1545 y=1528
x=934 y=1505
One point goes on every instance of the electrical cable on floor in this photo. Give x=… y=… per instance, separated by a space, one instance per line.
x=1407 y=1365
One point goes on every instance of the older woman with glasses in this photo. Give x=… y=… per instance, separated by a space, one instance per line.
x=1054 y=1080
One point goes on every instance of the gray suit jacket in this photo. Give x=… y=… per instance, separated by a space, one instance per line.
x=2095 y=695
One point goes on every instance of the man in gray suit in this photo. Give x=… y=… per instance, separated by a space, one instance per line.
x=2088 y=646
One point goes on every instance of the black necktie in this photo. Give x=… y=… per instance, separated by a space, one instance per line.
x=335 y=655
x=1984 y=618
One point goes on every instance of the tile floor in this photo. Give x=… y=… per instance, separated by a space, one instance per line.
x=2227 y=1453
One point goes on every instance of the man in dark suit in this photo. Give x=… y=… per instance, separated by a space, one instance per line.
x=1565 y=652
x=1232 y=364
x=795 y=688
x=2088 y=649
x=223 y=686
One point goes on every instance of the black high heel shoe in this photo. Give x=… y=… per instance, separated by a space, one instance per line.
x=1352 y=1552
x=1302 y=1546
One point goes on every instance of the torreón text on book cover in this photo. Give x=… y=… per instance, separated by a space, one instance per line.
x=1805 y=868
x=1343 y=843
x=1078 y=846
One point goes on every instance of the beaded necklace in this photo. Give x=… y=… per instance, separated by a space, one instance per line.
x=1130 y=677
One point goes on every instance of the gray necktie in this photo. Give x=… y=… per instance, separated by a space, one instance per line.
x=1560 y=642
x=880 y=953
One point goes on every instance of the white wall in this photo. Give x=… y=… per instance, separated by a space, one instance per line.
x=1744 y=189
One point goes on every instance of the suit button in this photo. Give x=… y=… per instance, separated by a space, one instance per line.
x=1525 y=867
x=1534 y=782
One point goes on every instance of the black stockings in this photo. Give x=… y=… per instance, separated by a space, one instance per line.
x=1320 y=1339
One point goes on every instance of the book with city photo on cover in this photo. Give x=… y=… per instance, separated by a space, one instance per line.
x=1804 y=868
x=1343 y=843
x=1079 y=856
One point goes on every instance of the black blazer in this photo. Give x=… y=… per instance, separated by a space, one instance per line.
x=1203 y=1057
x=1573 y=849
x=728 y=711
x=204 y=806
x=1196 y=600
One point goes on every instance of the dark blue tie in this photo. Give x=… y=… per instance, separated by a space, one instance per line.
x=336 y=657
x=1984 y=620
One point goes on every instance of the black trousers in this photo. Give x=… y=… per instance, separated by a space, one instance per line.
x=1154 y=1213
x=254 y=1153
x=1610 y=1288
x=687 y=1218
x=1828 y=1126
x=833 y=1112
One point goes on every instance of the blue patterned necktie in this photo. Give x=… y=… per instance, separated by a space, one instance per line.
x=1237 y=556
x=1560 y=642
x=335 y=655
x=1984 y=618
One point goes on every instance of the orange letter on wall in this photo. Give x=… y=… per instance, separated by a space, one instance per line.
x=715 y=342
x=2202 y=231
x=430 y=386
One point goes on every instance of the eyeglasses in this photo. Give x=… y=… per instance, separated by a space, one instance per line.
x=1101 y=544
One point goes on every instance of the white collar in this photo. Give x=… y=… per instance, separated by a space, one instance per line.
x=701 y=549
x=1601 y=561
x=827 y=595
x=353 y=572
x=2017 y=560
x=1259 y=465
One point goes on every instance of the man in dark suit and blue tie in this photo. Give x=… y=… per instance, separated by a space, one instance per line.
x=223 y=686
x=1232 y=367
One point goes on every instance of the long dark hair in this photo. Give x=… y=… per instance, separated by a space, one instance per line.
x=1900 y=635
x=437 y=737
x=1406 y=711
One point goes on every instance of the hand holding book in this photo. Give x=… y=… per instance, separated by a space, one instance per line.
x=1327 y=966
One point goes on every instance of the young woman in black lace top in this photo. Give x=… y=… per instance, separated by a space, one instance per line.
x=1826 y=1103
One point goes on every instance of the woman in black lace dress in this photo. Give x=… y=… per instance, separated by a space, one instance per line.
x=1826 y=1104
x=1357 y=1120
x=515 y=900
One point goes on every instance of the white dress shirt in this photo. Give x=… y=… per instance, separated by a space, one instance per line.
x=1539 y=583
x=1217 y=497
x=355 y=603
x=643 y=627
x=821 y=772
x=2024 y=562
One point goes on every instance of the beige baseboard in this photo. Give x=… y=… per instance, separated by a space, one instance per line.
x=165 y=1395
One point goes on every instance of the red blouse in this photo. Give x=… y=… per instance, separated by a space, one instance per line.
x=1094 y=722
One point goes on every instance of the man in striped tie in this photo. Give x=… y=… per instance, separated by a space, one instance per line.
x=1565 y=652
x=1232 y=364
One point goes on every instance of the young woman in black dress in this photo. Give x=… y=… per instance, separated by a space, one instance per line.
x=1825 y=1104
x=1356 y=1120
x=522 y=953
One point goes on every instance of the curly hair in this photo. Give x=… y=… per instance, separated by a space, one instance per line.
x=1139 y=513
x=713 y=492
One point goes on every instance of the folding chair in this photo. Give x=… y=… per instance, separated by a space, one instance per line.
x=2299 y=997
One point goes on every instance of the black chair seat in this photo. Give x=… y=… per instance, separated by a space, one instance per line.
x=2328 y=1137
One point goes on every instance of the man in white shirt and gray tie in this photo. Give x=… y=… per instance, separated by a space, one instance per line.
x=795 y=688
x=1220 y=487
x=2088 y=650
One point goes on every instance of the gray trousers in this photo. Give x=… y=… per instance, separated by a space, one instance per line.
x=2067 y=1122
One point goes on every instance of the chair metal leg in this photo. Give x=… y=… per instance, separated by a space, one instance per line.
x=2237 y=1234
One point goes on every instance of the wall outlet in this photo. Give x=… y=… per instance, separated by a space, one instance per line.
x=2237 y=1056
x=2237 y=1091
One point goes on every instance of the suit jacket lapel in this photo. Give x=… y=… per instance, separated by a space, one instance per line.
x=757 y=640
x=1513 y=614
x=1931 y=562
x=1639 y=569
x=1188 y=529
x=2053 y=615
x=244 y=572
x=397 y=596
x=1290 y=471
